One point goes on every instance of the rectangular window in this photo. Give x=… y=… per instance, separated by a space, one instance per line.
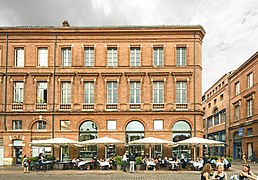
x=210 y=121
x=111 y=125
x=180 y=56
x=66 y=93
x=112 y=57
x=250 y=80
x=89 y=57
x=223 y=116
x=65 y=125
x=158 y=92
x=158 y=57
x=17 y=124
x=41 y=125
x=237 y=112
x=249 y=107
x=89 y=92
x=112 y=93
x=66 y=57
x=135 y=89
x=43 y=57
x=237 y=88
x=181 y=92
x=18 y=92
x=249 y=131
x=158 y=125
x=135 y=57
x=42 y=92
x=19 y=57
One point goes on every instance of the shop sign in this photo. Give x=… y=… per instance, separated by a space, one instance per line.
x=241 y=132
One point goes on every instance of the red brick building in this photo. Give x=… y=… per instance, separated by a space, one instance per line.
x=236 y=92
x=87 y=82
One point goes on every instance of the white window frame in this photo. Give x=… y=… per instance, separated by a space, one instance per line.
x=135 y=92
x=111 y=125
x=89 y=92
x=249 y=107
x=66 y=92
x=112 y=57
x=113 y=95
x=41 y=88
x=43 y=57
x=17 y=124
x=19 y=57
x=250 y=80
x=157 y=60
x=89 y=56
x=66 y=57
x=65 y=121
x=237 y=112
x=158 y=91
x=237 y=88
x=18 y=92
x=135 y=56
x=180 y=92
x=180 y=56
x=41 y=125
x=158 y=124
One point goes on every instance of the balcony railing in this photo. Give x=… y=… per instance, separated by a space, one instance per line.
x=65 y=107
x=111 y=107
x=181 y=107
x=158 y=106
x=135 y=106
x=88 y=107
x=41 y=106
x=17 y=106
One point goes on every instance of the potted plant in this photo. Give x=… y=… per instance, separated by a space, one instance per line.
x=138 y=161
x=118 y=162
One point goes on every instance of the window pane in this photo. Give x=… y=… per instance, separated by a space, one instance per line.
x=158 y=57
x=158 y=124
x=66 y=57
x=111 y=125
x=112 y=57
x=89 y=92
x=89 y=57
x=19 y=57
x=66 y=93
x=43 y=57
x=65 y=125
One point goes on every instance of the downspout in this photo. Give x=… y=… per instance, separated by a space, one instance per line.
x=227 y=131
x=5 y=82
x=54 y=89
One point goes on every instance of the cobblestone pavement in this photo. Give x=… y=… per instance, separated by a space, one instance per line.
x=16 y=172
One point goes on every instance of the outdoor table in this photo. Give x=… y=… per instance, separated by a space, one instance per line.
x=175 y=164
x=102 y=164
x=48 y=164
x=196 y=164
x=82 y=163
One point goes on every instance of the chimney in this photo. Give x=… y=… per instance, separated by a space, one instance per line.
x=66 y=23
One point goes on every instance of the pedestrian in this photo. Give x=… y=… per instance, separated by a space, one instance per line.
x=26 y=164
x=132 y=162
x=220 y=174
x=253 y=158
x=243 y=158
x=205 y=174
x=246 y=173
x=124 y=161
x=40 y=161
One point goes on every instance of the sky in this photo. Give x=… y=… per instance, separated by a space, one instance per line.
x=231 y=25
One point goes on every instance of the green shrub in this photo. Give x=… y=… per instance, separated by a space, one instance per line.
x=138 y=160
x=118 y=160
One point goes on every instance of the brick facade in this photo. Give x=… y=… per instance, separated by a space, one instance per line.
x=77 y=112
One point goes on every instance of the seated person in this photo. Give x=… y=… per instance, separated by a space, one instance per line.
x=151 y=165
x=246 y=173
x=227 y=164
x=144 y=161
x=220 y=174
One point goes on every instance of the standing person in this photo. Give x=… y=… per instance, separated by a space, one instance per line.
x=220 y=174
x=205 y=158
x=26 y=164
x=124 y=161
x=40 y=160
x=206 y=171
x=253 y=158
x=243 y=158
x=246 y=173
x=132 y=161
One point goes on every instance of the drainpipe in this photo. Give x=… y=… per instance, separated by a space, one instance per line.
x=5 y=82
x=227 y=131
x=54 y=89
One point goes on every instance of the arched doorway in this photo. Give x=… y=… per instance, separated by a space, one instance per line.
x=181 y=130
x=237 y=140
x=88 y=131
x=134 y=131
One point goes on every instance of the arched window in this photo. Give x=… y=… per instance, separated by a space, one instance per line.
x=135 y=131
x=181 y=130
x=88 y=131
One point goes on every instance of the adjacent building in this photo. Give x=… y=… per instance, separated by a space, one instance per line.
x=87 y=82
x=231 y=111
